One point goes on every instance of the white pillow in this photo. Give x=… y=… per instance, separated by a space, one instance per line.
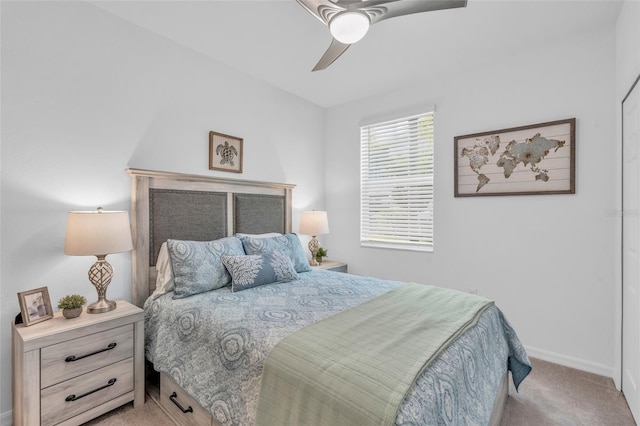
x=164 y=280
x=267 y=235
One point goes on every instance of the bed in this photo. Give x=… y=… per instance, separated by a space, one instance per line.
x=210 y=349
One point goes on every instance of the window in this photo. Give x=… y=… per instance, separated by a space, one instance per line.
x=396 y=183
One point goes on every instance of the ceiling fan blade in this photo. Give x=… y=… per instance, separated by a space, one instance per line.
x=407 y=7
x=333 y=52
x=365 y=3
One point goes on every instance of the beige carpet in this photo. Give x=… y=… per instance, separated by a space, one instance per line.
x=551 y=395
x=557 y=395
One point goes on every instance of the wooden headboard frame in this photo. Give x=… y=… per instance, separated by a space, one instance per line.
x=143 y=182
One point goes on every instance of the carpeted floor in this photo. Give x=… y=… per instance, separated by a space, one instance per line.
x=557 y=395
x=551 y=395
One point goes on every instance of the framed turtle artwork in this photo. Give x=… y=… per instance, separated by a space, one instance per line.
x=225 y=152
x=528 y=160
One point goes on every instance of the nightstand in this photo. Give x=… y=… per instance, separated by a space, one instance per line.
x=332 y=266
x=69 y=371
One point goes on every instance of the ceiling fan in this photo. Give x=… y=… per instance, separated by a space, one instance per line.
x=349 y=20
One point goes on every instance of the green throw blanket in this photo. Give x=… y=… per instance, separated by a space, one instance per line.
x=355 y=367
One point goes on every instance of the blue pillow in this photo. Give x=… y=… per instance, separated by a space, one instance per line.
x=197 y=265
x=288 y=243
x=256 y=270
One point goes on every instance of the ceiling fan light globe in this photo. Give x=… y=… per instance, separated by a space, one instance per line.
x=349 y=27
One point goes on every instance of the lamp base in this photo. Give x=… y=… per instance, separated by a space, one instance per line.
x=314 y=245
x=100 y=276
x=101 y=306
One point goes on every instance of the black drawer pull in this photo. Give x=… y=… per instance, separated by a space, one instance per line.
x=111 y=382
x=77 y=358
x=173 y=399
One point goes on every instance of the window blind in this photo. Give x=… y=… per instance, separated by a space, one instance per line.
x=396 y=183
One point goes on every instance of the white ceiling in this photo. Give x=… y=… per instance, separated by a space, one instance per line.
x=280 y=42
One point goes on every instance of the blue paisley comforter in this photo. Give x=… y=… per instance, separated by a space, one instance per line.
x=214 y=345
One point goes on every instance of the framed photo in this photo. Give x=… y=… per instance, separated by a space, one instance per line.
x=35 y=305
x=225 y=153
x=535 y=159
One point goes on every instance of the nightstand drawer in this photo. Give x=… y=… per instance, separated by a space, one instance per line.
x=75 y=396
x=184 y=409
x=72 y=358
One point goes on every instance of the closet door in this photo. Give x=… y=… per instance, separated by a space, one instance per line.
x=631 y=249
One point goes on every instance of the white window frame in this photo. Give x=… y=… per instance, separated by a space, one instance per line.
x=396 y=166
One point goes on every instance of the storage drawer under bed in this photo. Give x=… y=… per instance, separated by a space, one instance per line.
x=180 y=406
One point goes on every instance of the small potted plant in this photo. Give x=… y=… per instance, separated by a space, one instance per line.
x=71 y=305
x=320 y=254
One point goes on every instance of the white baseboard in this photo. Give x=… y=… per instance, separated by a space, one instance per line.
x=567 y=361
x=6 y=418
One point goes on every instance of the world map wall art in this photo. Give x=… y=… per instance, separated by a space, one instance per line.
x=225 y=152
x=535 y=159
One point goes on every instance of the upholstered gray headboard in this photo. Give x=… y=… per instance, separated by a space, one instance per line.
x=201 y=208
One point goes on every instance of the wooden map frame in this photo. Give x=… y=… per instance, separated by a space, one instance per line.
x=495 y=162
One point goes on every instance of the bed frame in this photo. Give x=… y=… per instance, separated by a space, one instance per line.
x=161 y=203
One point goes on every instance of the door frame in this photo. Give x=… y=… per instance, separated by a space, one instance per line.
x=619 y=369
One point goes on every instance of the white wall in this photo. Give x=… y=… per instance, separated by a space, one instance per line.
x=547 y=260
x=86 y=95
x=627 y=47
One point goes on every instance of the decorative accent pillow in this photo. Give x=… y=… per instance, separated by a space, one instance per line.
x=197 y=265
x=256 y=270
x=164 y=280
x=288 y=243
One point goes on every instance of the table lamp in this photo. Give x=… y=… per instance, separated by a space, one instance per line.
x=314 y=223
x=98 y=233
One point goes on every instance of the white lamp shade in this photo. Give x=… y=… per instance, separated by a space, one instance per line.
x=349 y=27
x=97 y=233
x=314 y=223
